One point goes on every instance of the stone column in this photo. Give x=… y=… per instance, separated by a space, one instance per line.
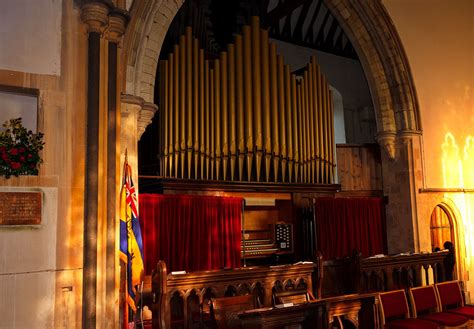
x=131 y=108
x=117 y=23
x=95 y=15
x=402 y=176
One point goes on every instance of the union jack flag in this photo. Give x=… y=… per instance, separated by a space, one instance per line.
x=131 y=245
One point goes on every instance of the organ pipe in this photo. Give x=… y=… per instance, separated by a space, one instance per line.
x=244 y=115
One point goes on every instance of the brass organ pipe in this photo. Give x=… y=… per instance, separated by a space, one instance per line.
x=207 y=116
x=195 y=107
x=332 y=161
x=312 y=110
x=189 y=99
x=267 y=146
x=304 y=102
x=315 y=118
x=329 y=132
x=281 y=112
x=217 y=117
x=274 y=109
x=232 y=119
x=224 y=110
x=240 y=104
x=164 y=110
x=308 y=130
x=296 y=128
x=300 y=134
x=212 y=122
x=324 y=120
x=257 y=93
x=201 y=112
x=170 y=113
x=177 y=109
x=321 y=123
x=182 y=112
x=248 y=97
x=289 y=124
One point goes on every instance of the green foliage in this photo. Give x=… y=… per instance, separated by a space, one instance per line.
x=19 y=150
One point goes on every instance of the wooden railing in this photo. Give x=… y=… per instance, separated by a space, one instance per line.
x=400 y=271
x=180 y=300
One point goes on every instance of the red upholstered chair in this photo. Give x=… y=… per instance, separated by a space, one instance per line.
x=395 y=312
x=426 y=306
x=451 y=300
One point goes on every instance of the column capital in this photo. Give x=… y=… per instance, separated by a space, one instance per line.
x=387 y=140
x=118 y=20
x=95 y=15
x=145 y=117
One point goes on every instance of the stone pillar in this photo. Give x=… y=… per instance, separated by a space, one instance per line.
x=131 y=109
x=95 y=15
x=117 y=22
x=402 y=176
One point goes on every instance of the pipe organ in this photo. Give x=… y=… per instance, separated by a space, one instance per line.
x=244 y=116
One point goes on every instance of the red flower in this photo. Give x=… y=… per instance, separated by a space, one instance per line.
x=3 y=149
x=21 y=150
x=5 y=157
x=15 y=165
x=14 y=151
x=22 y=158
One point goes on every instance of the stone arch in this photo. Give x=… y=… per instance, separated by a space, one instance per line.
x=373 y=35
x=367 y=25
x=150 y=20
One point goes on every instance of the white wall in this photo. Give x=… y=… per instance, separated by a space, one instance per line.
x=30 y=36
x=28 y=268
x=348 y=78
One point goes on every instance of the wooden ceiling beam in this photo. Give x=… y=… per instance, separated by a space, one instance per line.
x=282 y=10
x=309 y=37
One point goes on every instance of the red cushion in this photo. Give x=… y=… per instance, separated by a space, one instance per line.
x=394 y=304
x=446 y=319
x=467 y=311
x=411 y=324
x=424 y=298
x=449 y=293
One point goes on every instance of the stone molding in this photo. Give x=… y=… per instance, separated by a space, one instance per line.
x=387 y=141
x=145 y=116
x=95 y=15
x=117 y=22
x=145 y=111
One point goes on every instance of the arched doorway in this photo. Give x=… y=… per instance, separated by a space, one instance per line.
x=443 y=237
x=441 y=228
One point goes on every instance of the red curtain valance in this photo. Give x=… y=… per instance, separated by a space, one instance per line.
x=189 y=232
x=347 y=224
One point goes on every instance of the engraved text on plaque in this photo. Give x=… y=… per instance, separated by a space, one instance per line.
x=20 y=208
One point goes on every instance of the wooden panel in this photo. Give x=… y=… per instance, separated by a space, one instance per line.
x=359 y=167
x=258 y=281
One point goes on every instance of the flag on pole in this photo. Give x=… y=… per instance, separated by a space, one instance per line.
x=131 y=245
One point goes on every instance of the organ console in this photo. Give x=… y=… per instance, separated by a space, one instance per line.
x=244 y=116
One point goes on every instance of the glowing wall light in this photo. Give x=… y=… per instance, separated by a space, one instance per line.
x=458 y=172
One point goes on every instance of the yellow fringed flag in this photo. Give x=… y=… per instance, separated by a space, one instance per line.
x=131 y=245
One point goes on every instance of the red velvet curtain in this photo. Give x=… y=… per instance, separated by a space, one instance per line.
x=190 y=233
x=347 y=224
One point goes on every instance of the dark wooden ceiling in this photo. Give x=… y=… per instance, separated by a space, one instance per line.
x=306 y=23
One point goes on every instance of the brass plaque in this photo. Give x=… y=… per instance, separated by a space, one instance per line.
x=20 y=208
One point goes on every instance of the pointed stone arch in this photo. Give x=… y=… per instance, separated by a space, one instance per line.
x=372 y=33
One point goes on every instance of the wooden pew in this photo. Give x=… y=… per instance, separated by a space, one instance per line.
x=181 y=300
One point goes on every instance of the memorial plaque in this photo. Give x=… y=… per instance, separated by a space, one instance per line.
x=20 y=208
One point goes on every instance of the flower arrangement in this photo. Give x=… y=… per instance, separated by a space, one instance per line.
x=19 y=150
